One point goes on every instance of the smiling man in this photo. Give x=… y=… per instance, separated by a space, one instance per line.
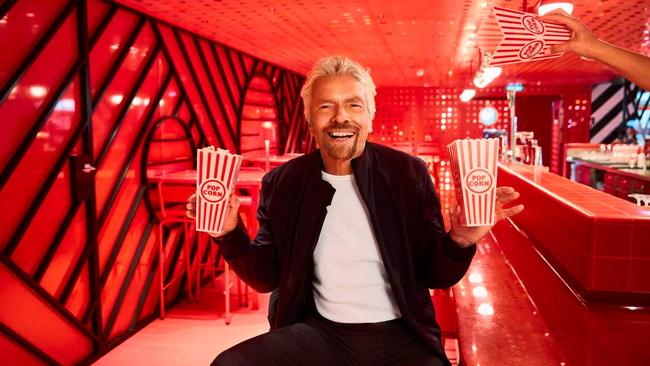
x=352 y=237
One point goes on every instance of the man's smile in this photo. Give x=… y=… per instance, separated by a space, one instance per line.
x=340 y=135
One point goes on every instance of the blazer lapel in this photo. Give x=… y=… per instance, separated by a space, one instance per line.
x=317 y=195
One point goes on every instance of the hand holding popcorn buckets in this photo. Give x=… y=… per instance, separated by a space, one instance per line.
x=474 y=169
x=217 y=172
x=509 y=36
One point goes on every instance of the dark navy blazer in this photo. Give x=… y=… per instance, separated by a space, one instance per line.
x=405 y=216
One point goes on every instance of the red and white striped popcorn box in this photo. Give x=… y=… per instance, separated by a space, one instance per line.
x=474 y=169
x=510 y=36
x=217 y=172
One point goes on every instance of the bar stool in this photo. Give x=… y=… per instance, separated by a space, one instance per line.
x=174 y=215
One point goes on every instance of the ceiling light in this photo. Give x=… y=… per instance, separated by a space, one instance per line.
x=480 y=82
x=492 y=72
x=467 y=95
x=486 y=75
x=419 y=73
x=547 y=6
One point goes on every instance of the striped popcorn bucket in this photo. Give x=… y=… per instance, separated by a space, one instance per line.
x=509 y=36
x=474 y=169
x=217 y=172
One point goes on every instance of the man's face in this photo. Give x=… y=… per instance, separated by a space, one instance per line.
x=339 y=117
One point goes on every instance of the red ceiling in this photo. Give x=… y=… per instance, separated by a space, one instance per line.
x=405 y=43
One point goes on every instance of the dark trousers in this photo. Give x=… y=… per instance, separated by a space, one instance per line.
x=318 y=341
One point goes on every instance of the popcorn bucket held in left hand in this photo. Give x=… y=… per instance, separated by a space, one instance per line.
x=474 y=169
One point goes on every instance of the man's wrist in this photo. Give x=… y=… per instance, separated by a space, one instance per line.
x=460 y=240
x=218 y=235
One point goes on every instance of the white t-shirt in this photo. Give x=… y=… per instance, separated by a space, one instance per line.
x=350 y=284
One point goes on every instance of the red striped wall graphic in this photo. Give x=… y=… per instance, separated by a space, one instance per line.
x=91 y=85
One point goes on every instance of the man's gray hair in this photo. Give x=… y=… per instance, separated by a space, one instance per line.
x=339 y=66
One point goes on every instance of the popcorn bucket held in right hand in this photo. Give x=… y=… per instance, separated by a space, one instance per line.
x=217 y=172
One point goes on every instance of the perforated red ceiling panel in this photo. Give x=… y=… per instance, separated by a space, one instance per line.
x=414 y=43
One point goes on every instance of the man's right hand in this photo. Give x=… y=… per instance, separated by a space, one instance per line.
x=232 y=213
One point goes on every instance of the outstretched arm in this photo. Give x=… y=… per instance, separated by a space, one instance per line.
x=631 y=65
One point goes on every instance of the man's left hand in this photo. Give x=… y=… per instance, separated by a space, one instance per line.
x=466 y=236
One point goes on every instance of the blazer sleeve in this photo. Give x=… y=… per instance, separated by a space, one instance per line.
x=255 y=261
x=444 y=262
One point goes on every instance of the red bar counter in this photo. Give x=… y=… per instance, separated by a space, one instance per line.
x=597 y=243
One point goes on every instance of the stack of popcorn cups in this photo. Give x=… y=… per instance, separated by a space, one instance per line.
x=474 y=169
x=507 y=36
x=217 y=172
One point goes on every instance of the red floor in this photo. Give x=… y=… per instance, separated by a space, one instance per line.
x=499 y=324
x=191 y=334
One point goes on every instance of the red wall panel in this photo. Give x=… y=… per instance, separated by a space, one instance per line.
x=134 y=288
x=96 y=10
x=80 y=298
x=108 y=47
x=81 y=256
x=14 y=354
x=43 y=227
x=118 y=151
x=211 y=103
x=27 y=315
x=21 y=35
x=229 y=102
x=224 y=58
x=66 y=254
x=188 y=85
x=29 y=97
x=125 y=253
x=115 y=96
x=37 y=162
